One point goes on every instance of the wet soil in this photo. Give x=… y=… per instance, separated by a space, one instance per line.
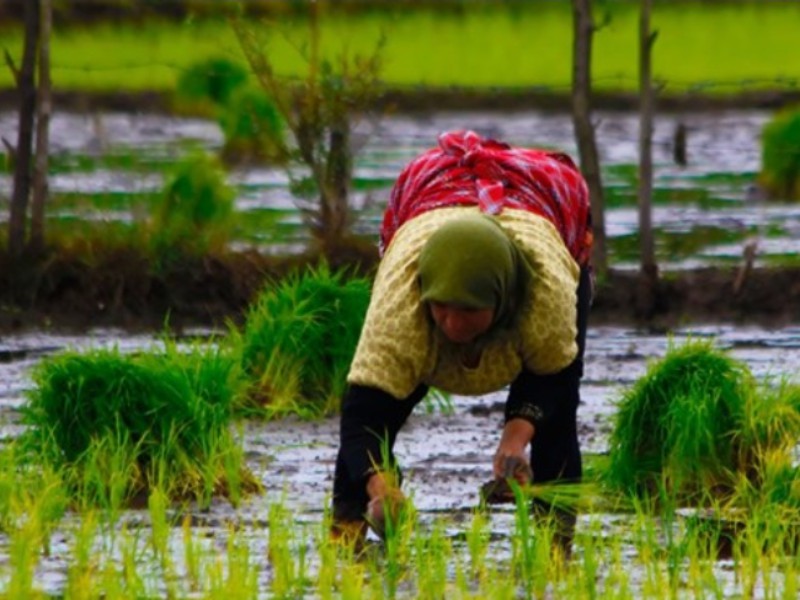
x=446 y=456
x=452 y=98
x=126 y=289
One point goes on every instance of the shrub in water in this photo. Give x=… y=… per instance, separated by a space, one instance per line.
x=677 y=426
x=196 y=209
x=253 y=128
x=168 y=412
x=780 y=156
x=213 y=80
x=299 y=339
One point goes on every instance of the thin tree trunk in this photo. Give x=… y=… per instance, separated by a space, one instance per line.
x=584 y=130
x=43 y=110
x=26 y=84
x=649 y=268
x=335 y=208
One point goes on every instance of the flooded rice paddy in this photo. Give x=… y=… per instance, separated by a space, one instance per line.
x=446 y=455
x=705 y=212
x=107 y=167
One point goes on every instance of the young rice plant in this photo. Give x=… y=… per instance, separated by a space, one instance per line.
x=780 y=155
x=299 y=339
x=698 y=428
x=118 y=424
x=195 y=213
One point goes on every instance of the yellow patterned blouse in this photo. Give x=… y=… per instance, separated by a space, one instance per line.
x=400 y=348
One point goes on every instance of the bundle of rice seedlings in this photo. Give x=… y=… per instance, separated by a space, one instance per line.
x=299 y=339
x=213 y=80
x=676 y=429
x=194 y=214
x=767 y=444
x=780 y=155
x=253 y=127
x=117 y=425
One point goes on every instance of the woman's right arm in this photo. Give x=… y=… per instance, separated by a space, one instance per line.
x=370 y=421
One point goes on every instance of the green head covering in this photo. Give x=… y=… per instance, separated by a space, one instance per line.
x=471 y=262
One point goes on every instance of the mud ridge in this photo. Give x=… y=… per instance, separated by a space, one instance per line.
x=432 y=99
x=125 y=289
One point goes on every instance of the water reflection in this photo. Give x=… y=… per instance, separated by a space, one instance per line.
x=723 y=156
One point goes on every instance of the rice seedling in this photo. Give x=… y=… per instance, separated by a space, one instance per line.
x=32 y=502
x=251 y=123
x=768 y=438
x=211 y=82
x=398 y=548
x=192 y=553
x=675 y=428
x=477 y=544
x=326 y=579
x=698 y=431
x=299 y=339
x=194 y=215
x=157 y=503
x=286 y=554
x=100 y=57
x=82 y=571
x=647 y=558
x=780 y=155
x=253 y=127
x=24 y=546
x=30 y=495
x=118 y=425
x=434 y=552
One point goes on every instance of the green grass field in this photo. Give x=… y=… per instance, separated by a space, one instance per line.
x=718 y=48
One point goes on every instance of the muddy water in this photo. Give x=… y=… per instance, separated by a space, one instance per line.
x=446 y=456
x=723 y=152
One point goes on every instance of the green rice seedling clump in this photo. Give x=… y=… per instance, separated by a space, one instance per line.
x=195 y=211
x=213 y=80
x=768 y=445
x=677 y=426
x=780 y=155
x=166 y=413
x=253 y=127
x=299 y=339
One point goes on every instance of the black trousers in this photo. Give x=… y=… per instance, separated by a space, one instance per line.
x=555 y=451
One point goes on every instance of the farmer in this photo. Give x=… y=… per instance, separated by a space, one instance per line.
x=484 y=282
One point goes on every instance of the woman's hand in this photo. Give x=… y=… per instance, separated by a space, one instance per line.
x=511 y=452
x=384 y=497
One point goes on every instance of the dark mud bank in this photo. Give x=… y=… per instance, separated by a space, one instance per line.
x=124 y=289
x=432 y=99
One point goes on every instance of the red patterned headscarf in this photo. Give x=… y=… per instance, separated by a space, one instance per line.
x=468 y=170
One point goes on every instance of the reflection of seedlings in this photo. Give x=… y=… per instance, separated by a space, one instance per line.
x=790 y=259
x=299 y=339
x=679 y=244
x=119 y=426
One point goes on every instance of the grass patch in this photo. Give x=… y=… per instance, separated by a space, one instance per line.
x=436 y=48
